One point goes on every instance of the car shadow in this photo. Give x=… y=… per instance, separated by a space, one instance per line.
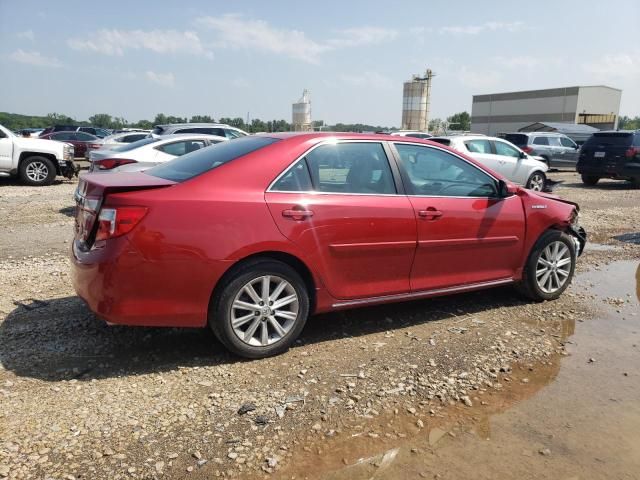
x=611 y=185
x=60 y=339
x=68 y=211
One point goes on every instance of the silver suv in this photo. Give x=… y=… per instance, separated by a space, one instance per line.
x=218 y=129
x=555 y=149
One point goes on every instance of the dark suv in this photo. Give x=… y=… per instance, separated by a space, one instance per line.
x=610 y=155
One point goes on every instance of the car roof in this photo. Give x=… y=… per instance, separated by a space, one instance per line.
x=165 y=125
x=543 y=134
x=186 y=136
x=466 y=137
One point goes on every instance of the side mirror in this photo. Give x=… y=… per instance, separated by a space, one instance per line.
x=506 y=189
x=522 y=155
x=576 y=147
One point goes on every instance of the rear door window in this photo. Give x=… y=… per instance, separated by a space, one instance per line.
x=63 y=136
x=182 y=147
x=541 y=141
x=351 y=167
x=554 y=142
x=478 y=146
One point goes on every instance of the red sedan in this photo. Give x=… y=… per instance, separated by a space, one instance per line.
x=252 y=236
x=81 y=141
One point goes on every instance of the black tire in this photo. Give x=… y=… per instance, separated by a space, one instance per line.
x=37 y=171
x=529 y=285
x=590 y=180
x=536 y=181
x=221 y=311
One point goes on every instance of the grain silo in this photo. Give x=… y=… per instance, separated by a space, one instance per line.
x=301 y=114
x=415 y=102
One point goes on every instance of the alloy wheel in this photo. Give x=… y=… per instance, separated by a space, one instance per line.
x=264 y=310
x=536 y=183
x=37 y=171
x=553 y=267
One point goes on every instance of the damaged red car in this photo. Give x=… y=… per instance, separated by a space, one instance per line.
x=250 y=237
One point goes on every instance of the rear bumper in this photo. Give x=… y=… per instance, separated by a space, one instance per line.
x=123 y=285
x=627 y=170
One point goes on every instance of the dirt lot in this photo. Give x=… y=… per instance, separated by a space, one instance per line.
x=400 y=391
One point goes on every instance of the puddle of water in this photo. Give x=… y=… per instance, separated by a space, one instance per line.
x=629 y=238
x=575 y=419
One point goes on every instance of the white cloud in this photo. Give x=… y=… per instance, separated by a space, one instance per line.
x=27 y=35
x=367 y=79
x=481 y=28
x=116 y=42
x=163 y=79
x=34 y=58
x=235 y=31
x=358 y=36
x=478 y=78
x=526 y=61
x=622 y=65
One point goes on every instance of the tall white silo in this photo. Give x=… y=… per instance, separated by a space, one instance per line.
x=301 y=114
x=416 y=98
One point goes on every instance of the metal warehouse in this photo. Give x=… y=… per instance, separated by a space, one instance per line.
x=597 y=106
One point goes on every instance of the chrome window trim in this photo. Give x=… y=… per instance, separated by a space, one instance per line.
x=335 y=141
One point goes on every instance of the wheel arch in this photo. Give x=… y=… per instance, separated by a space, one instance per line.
x=49 y=156
x=287 y=258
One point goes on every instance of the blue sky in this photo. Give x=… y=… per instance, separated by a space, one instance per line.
x=137 y=58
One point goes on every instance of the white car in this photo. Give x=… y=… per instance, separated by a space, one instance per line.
x=148 y=152
x=500 y=156
x=119 y=139
x=411 y=133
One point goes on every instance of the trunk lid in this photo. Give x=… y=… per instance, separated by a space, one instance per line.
x=92 y=190
x=606 y=150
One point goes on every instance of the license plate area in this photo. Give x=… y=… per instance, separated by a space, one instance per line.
x=599 y=154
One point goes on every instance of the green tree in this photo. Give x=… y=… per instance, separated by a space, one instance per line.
x=257 y=125
x=161 y=119
x=102 y=120
x=59 y=119
x=201 y=119
x=628 y=123
x=460 y=121
x=146 y=124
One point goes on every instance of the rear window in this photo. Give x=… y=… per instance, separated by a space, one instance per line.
x=195 y=163
x=132 y=145
x=443 y=141
x=516 y=138
x=610 y=139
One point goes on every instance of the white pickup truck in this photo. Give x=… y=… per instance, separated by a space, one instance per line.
x=35 y=161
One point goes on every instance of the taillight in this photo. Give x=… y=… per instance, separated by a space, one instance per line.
x=527 y=149
x=632 y=152
x=109 y=163
x=116 y=221
x=94 y=145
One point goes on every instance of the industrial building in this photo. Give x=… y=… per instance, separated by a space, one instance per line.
x=596 y=106
x=301 y=114
x=416 y=96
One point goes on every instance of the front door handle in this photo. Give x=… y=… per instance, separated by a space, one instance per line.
x=430 y=213
x=297 y=213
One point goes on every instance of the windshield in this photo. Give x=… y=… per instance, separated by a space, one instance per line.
x=7 y=132
x=193 y=164
x=133 y=145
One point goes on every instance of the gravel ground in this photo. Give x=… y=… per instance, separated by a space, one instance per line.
x=83 y=400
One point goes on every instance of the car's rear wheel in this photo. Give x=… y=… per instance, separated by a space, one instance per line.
x=536 y=181
x=550 y=266
x=590 y=180
x=261 y=310
x=37 y=171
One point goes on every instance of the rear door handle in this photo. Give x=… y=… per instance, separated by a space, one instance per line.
x=297 y=214
x=430 y=213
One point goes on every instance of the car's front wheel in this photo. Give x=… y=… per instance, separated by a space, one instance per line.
x=261 y=309
x=37 y=171
x=550 y=266
x=536 y=181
